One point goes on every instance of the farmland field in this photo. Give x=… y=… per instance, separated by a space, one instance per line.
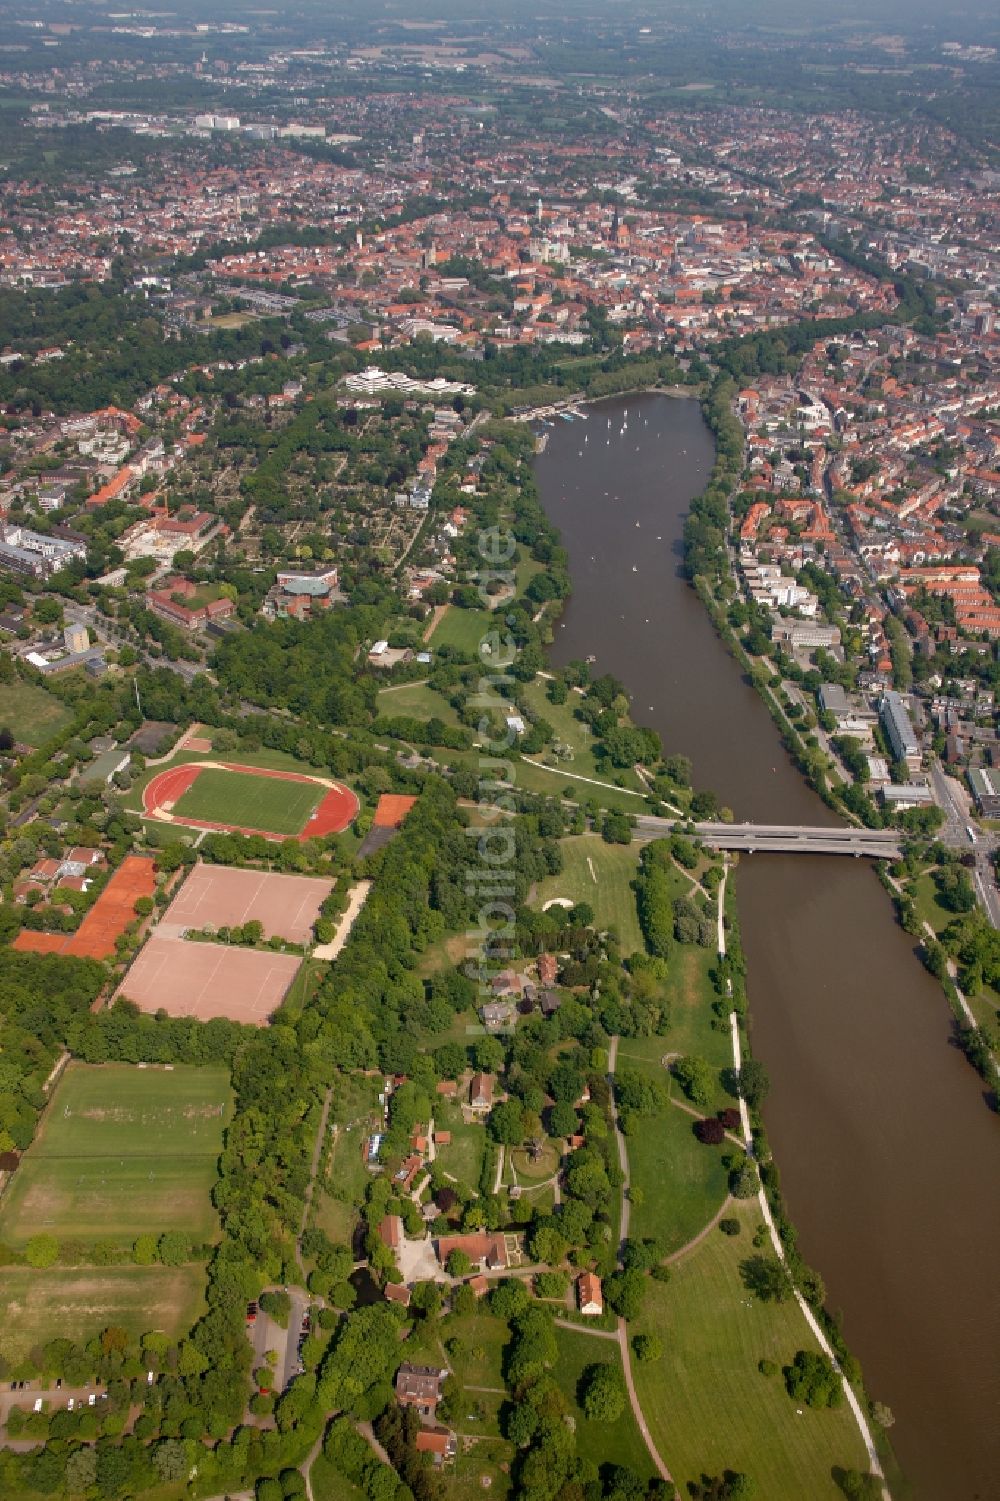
x=78 y=1302
x=272 y=804
x=31 y=714
x=121 y=1151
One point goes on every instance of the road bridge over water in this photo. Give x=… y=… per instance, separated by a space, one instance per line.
x=782 y=839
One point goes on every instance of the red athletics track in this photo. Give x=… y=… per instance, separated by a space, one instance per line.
x=338 y=808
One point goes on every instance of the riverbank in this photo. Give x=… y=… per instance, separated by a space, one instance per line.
x=849 y=1027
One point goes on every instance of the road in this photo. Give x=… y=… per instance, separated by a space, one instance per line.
x=953 y=801
x=105 y=630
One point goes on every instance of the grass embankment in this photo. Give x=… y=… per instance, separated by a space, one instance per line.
x=601 y=875
x=708 y=1406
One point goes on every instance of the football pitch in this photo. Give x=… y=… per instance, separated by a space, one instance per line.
x=272 y=804
x=122 y=1151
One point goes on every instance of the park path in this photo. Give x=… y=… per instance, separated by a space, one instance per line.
x=349 y=916
x=307 y=1464
x=696 y=1240
x=622 y=1333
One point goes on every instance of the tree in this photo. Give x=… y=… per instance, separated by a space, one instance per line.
x=696 y=1078
x=602 y=1393
x=710 y=1132
x=42 y=1250
x=81 y=1469
x=647 y=1347
x=624 y=1292
x=507 y=1123
x=170 y=1459
x=173 y=1248
x=562 y=1119
x=144 y=1250
x=812 y=1378
x=458 y=1264
x=489 y=1054
x=522 y=1421
x=744 y=1179
x=767 y=1278
x=753 y=1083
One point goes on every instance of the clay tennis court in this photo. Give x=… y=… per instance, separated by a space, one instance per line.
x=207 y=980
x=335 y=809
x=108 y=917
x=222 y=896
x=392 y=809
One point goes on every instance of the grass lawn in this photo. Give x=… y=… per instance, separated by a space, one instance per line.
x=572 y=731
x=465 y=629
x=925 y=900
x=528 y=1171
x=478 y=1360
x=690 y=994
x=329 y=1484
x=463 y=1157
x=617 y=1443
x=707 y=1405
x=343 y=1187
x=31 y=714
x=683 y=1183
x=77 y=1303
x=122 y=1151
x=478 y=1472
x=416 y=701
x=249 y=802
x=302 y=989
x=601 y=875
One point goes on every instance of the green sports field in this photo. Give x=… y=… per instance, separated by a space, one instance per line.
x=234 y=797
x=122 y=1151
x=78 y=1302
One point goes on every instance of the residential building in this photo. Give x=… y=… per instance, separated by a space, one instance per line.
x=589 y=1294
x=481 y=1092
x=419 y=1386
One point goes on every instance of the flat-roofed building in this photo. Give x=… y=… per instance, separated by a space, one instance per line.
x=899 y=731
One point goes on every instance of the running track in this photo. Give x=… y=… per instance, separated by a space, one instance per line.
x=338 y=808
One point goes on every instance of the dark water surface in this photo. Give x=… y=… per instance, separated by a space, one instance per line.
x=890 y=1161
